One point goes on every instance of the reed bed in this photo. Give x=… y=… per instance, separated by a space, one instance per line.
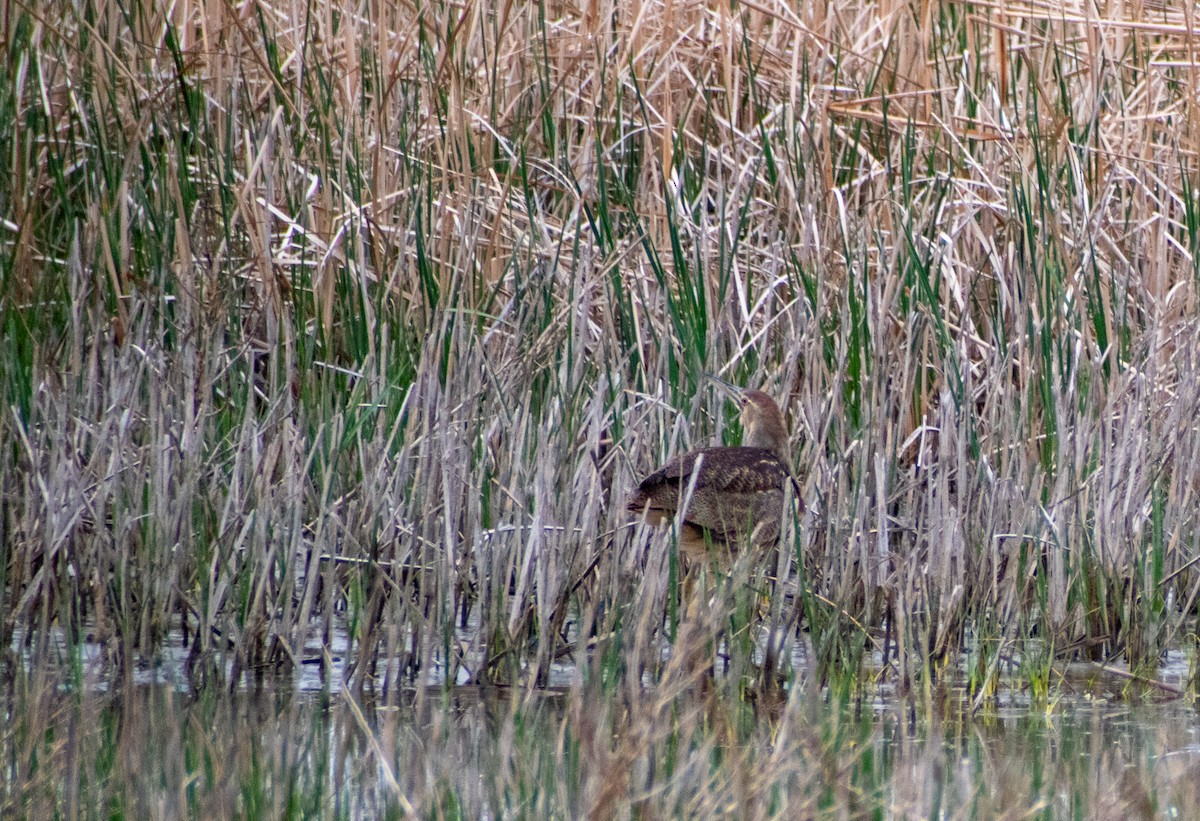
x=361 y=320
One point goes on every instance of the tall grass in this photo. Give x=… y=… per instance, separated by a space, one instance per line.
x=364 y=319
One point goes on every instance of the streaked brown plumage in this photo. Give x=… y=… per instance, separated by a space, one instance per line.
x=735 y=491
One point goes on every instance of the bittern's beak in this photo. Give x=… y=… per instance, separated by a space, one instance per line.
x=735 y=392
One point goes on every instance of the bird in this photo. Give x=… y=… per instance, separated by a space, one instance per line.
x=725 y=497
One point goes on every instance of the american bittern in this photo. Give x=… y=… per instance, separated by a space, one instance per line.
x=725 y=497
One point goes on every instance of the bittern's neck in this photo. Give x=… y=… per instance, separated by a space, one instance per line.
x=769 y=433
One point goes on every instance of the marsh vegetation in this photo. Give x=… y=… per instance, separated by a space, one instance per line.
x=335 y=335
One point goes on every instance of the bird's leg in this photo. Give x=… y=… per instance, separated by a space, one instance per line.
x=694 y=650
x=700 y=635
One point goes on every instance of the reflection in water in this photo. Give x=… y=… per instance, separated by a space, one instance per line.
x=302 y=744
x=152 y=750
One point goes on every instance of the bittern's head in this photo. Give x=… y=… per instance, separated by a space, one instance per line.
x=763 y=425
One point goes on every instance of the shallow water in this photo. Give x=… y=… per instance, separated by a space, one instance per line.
x=301 y=745
x=153 y=752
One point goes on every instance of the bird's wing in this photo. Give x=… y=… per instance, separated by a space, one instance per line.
x=677 y=468
x=743 y=470
x=677 y=472
x=799 y=493
x=721 y=471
